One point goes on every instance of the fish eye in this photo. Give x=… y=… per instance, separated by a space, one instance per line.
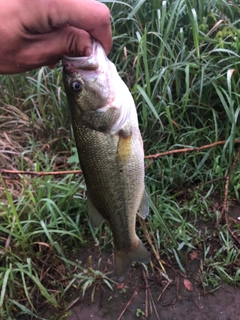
x=76 y=85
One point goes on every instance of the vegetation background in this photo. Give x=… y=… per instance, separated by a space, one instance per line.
x=180 y=59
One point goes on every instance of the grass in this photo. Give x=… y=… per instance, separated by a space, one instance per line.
x=180 y=59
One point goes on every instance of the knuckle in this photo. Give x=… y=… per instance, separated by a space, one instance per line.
x=77 y=42
x=105 y=14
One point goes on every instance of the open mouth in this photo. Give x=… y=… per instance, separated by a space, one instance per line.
x=89 y=63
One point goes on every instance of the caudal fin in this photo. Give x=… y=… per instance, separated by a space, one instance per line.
x=124 y=259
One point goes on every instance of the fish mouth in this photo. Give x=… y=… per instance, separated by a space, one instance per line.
x=87 y=63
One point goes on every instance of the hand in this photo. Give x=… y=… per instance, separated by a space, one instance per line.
x=38 y=33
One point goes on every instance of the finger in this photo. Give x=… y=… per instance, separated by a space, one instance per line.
x=68 y=40
x=89 y=15
x=94 y=18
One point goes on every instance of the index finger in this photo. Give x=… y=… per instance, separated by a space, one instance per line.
x=92 y=16
x=89 y=15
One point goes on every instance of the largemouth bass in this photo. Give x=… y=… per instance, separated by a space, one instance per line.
x=110 y=151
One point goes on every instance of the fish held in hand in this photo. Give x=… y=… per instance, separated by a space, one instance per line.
x=110 y=151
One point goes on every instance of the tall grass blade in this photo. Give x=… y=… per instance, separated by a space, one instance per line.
x=4 y=285
x=136 y=7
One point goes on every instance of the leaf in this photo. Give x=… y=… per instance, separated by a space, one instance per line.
x=120 y=285
x=188 y=285
x=74 y=158
x=193 y=255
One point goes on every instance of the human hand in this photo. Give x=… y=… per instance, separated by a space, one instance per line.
x=38 y=33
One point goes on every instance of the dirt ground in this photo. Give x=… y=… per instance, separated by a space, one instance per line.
x=150 y=296
x=223 y=304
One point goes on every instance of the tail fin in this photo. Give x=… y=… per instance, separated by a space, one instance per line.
x=124 y=259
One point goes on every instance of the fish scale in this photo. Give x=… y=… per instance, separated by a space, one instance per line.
x=110 y=152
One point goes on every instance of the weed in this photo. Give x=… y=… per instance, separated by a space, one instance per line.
x=139 y=313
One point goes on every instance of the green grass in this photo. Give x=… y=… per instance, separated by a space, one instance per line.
x=180 y=60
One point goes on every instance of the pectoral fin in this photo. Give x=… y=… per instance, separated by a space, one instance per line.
x=95 y=217
x=143 y=210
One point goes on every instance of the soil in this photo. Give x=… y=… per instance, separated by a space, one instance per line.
x=151 y=296
x=222 y=304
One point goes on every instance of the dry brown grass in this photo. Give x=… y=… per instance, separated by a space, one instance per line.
x=14 y=135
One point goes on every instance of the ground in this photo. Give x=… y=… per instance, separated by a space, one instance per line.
x=150 y=296
x=223 y=304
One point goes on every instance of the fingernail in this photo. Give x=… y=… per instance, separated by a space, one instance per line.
x=88 y=52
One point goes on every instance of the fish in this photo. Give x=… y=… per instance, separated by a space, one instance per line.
x=110 y=150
